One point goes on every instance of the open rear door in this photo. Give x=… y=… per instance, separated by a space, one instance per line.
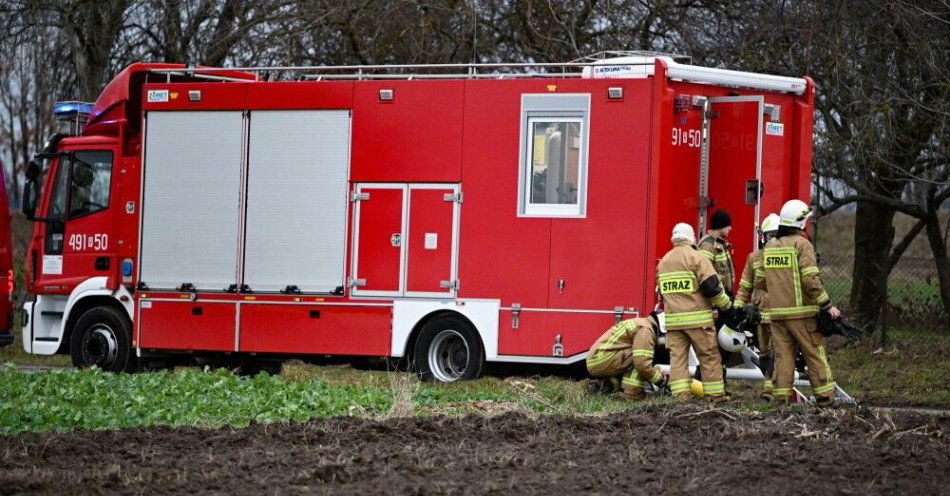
x=730 y=177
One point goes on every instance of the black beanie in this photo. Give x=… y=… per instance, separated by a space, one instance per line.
x=720 y=219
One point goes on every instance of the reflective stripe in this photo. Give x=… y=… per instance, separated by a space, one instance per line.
x=826 y=388
x=759 y=272
x=722 y=257
x=824 y=361
x=708 y=254
x=779 y=393
x=743 y=283
x=793 y=310
x=688 y=318
x=713 y=388
x=675 y=273
x=680 y=385
x=600 y=357
x=822 y=298
x=739 y=302
x=768 y=385
x=721 y=300
x=807 y=271
x=656 y=376
x=632 y=380
x=643 y=352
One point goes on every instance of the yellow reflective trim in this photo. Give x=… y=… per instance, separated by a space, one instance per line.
x=759 y=273
x=739 y=302
x=825 y=388
x=810 y=270
x=679 y=284
x=642 y=352
x=823 y=297
x=708 y=254
x=632 y=381
x=675 y=273
x=720 y=300
x=656 y=376
x=600 y=357
x=792 y=310
x=824 y=361
x=743 y=283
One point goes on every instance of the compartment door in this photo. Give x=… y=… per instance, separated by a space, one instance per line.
x=191 y=199
x=431 y=242
x=378 y=248
x=732 y=172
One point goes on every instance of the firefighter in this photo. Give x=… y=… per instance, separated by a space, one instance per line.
x=719 y=251
x=626 y=351
x=690 y=289
x=795 y=296
x=748 y=294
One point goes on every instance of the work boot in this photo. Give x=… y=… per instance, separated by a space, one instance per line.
x=827 y=402
x=605 y=386
x=631 y=395
x=716 y=400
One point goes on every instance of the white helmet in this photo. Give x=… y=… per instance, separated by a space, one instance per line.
x=731 y=340
x=794 y=214
x=683 y=232
x=770 y=224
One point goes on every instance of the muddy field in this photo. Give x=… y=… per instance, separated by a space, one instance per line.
x=667 y=448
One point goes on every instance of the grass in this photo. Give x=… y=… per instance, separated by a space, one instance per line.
x=911 y=373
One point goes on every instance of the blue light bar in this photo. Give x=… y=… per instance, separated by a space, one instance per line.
x=69 y=109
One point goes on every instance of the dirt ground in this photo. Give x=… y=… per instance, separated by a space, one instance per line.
x=671 y=448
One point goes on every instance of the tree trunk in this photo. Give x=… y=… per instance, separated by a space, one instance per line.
x=939 y=249
x=873 y=237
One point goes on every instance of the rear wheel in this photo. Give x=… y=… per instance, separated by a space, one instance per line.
x=102 y=337
x=448 y=350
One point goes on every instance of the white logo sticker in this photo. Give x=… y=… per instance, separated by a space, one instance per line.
x=774 y=128
x=53 y=265
x=158 y=95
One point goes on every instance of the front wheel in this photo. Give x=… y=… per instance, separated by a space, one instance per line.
x=102 y=337
x=448 y=350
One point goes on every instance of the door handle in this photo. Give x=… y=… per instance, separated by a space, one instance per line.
x=396 y=239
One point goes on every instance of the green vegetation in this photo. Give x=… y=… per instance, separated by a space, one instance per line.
x=69 y=399
x=912 y=371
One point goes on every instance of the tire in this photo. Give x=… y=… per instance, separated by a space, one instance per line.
x=103 y=337
x=448 y=349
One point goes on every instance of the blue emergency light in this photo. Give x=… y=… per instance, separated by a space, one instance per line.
x=71 y=109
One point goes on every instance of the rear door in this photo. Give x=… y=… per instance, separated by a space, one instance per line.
x=731 y=173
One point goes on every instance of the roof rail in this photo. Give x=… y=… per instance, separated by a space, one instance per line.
x=581 y=68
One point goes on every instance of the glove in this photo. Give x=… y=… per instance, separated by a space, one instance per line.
x=829 y=326
x=752 y=315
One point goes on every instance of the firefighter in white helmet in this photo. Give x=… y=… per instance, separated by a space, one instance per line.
x=690 y=289
x=749 y=295
x=625 y=352
x=795 y=296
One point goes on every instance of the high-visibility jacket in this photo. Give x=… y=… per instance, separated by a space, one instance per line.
x=790 y=275
x=748 y=293
x=633 y=336
x=719 y=252
x=689 y=290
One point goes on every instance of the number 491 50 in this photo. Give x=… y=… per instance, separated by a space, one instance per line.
x=95 y=242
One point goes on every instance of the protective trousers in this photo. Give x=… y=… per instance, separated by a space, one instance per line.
x=620 y=365
x=765 y=347
x=707 y=351
x=787 y=335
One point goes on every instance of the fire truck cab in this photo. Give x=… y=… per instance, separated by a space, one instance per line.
x=446 y=215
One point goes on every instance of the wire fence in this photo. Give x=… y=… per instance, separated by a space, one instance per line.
x=913 y=290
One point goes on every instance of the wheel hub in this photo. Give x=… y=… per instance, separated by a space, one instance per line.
x=448 y=356
x=99 y=346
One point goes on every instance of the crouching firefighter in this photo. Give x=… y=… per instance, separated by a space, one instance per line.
x=690 y=289
x=625 y=352
x=748 y=295
x=795 y=296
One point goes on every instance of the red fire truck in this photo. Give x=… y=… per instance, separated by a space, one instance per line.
x=448 y=215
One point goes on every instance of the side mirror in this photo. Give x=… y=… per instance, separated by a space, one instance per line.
x=33 y=170
x=31 y=192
